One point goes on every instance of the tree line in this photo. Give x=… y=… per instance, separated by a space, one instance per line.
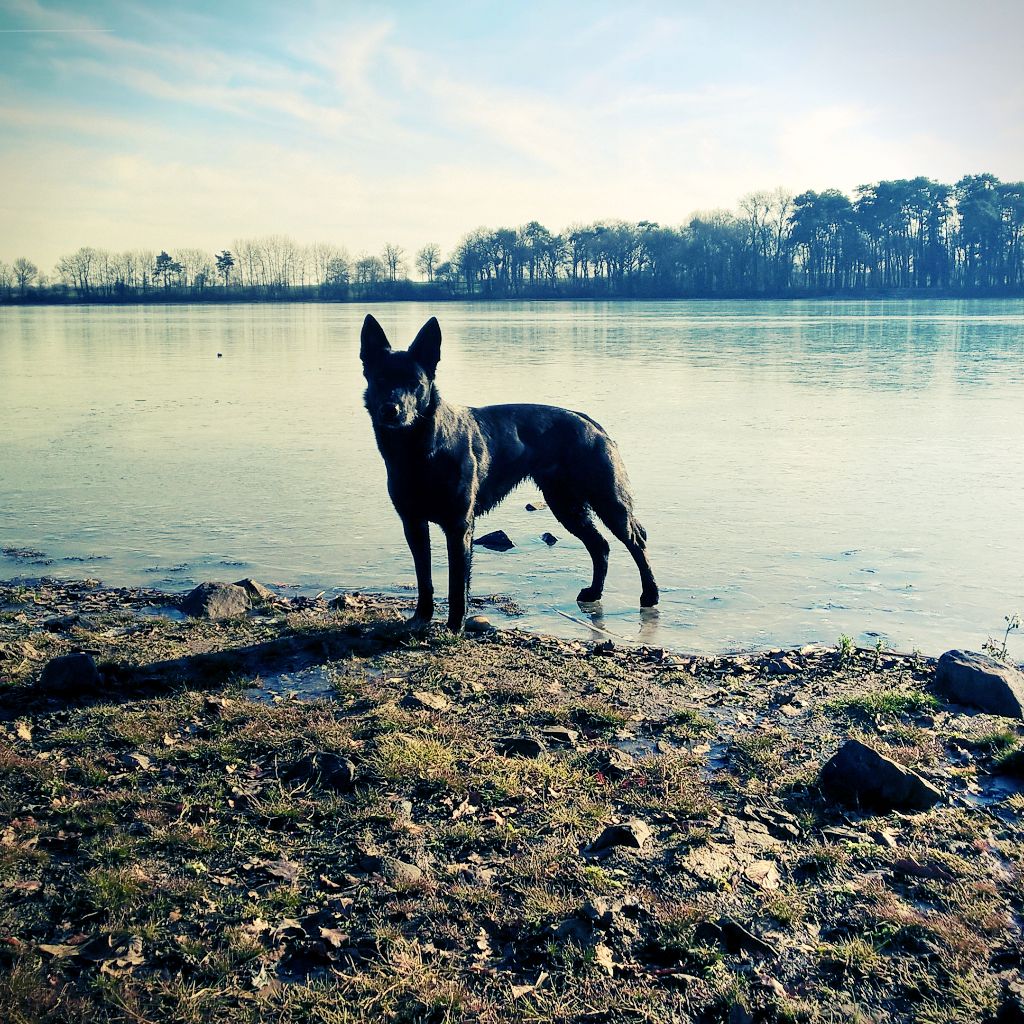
x=911 y=235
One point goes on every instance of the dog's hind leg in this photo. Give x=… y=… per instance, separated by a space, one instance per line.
x=625 y=527
x=460 y=562
x=418 y=536
x=575 y=517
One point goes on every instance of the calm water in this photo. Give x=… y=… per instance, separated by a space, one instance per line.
x=803 y=469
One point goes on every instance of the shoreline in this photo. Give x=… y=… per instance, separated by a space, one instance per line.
x=491 y=828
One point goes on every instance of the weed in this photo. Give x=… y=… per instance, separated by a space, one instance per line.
x=999 y=649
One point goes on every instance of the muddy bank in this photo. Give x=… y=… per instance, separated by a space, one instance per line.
x=306 y=813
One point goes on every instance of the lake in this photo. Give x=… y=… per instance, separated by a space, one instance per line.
x=803 y=469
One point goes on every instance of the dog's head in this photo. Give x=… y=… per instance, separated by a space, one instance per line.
x=400 y=385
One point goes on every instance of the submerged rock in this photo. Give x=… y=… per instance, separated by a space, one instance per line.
x=216 y=601
x=858 y=774
x=498 y=540
x=981 y=682
x=549 y=539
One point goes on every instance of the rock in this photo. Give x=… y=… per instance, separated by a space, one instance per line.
x=520 y=746
x=981 y=682
x=536 y=506
x=858 y=774
x=216 y=601
x=498 y=540
x=258 y=593
x=70 y=675
x=549 y=539
x=782 y=666
x=479 y=624
x=400 y=873
x=781 y=824
x=424 y=700
x=733 y=936
x=61 y=623
x=332 y=771
x=617 y=764
x=347 y=603
x=633 y=833
x=560 y=736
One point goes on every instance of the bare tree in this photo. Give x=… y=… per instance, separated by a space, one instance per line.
x=25 y=272
x=393 y=260
x=196 y=267
x=427 y=259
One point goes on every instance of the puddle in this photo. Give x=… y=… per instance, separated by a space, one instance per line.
x=307 y=684
x=160 y=611
x=991 y=791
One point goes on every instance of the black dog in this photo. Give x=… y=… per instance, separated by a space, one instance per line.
x=447 y=464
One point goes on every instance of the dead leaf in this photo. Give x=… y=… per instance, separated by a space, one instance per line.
x=24 y=730
x=764 y=874
x=59 y=951
x=604 y=958
x=285 y=869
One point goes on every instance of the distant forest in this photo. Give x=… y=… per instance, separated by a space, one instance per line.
x=911 y=236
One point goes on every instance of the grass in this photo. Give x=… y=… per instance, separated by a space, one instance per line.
x=260 y=895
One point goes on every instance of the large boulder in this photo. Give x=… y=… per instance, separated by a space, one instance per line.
x=981 y=682
x=70 y=675
x=858 y=774
x=216 y=601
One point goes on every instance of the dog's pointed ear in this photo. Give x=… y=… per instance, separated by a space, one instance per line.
x=426 y=349
x=373 y=341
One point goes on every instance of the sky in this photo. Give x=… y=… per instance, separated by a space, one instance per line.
x=157 y=125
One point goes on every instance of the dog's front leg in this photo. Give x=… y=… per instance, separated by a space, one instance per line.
x=418 y=536
x=460 y=560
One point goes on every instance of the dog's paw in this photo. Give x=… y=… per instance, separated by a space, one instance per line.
x=588 y=595
x=418 y=623
x=649 y=598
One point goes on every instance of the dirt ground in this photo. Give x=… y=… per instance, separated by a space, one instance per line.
x=306 y=813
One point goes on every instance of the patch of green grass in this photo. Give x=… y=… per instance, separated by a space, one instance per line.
x=889 y=703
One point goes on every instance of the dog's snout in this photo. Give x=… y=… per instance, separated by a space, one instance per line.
x=390 y=412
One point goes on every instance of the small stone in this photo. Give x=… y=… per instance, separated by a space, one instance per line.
x=858 y=774
x=70 y=675
x=617 y=764
x=216 y=601
x=520 y=746
x=424 y=700
x=479 y=624
x=549 y=538
x=981 y=682
x=633 y=834
x=400 y=873
x=61 y=623
x=258 y=593
x=560 y=736
x=347 y=603
x=782 y=666
x=332 y=771
x=498 y=540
